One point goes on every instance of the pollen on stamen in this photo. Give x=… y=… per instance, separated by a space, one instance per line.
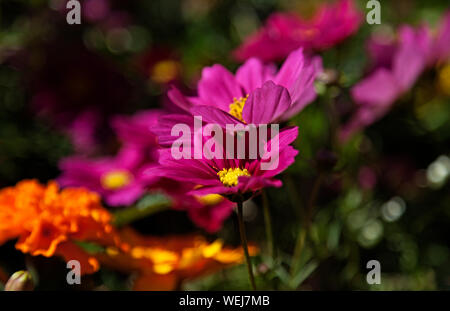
x=230 y=177
x=237 y=106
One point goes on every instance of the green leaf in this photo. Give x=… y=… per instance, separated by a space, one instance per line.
x=148 y=205
x=303 y=274
x=90 y=247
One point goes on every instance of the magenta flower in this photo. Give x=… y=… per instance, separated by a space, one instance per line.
x=236 y=179
x=96 y=10
x=396 y=67
x=286 y=32
x=120 y=180
x=233 y=93
x=123 y=179
x=82 y=131
x=264 y=105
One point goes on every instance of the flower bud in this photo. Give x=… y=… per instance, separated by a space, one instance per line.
x=20 y=281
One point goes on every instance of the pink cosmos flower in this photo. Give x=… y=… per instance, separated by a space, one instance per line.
x=82 y=131
x=120 y=180
x=106 y=14
x=233 y=94
x=264 y=105
x=397 y=66
x=95 y=10
x=124 y=178
x=237 y=179
x=286 y=32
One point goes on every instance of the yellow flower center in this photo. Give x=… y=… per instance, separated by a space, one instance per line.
x=164 y=71
x=307 y=33
x=116 y=179
x=237 y=106
x=230 y=177
x=444 y=79
x=210 y=199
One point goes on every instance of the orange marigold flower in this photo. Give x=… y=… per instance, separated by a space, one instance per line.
x=164 y=263
x=48 y=222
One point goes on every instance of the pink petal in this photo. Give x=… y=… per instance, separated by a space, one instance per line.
x=179 y=99
x=265 y=105
x=380 y=88
x=252 y=74
x=165 y=125
x=125 y=196
x=411 y=57
x=303 y=91
x=218 y=87
x=291 y=69
x=214 y=115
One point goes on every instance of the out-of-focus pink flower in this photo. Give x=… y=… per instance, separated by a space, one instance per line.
x=82 y=131
x=95 y=10
x=236 y=179
x=124 y=178
x=120 y=180
x=286 y=32
x=233 y=94
x=396 y=67
x=105 y=14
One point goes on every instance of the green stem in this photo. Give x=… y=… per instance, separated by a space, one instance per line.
x=306 y=225
x=244 y=244
x=298 y=250
x=268 y=223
